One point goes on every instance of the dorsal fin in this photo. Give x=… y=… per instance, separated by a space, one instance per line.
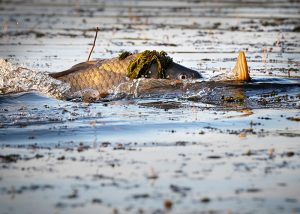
x=78 y=67
x=241 y=71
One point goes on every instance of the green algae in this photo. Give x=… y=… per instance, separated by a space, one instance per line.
x=231 y=99
x=143 y=62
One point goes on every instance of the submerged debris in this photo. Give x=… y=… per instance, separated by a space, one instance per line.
x=230 y=99
x=168 y=204
x=10 y=158
x=205 y=200
x=296 y=119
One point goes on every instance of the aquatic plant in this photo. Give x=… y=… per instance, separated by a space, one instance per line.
x=143 y=62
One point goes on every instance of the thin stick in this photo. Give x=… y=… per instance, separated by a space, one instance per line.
x=97 y=29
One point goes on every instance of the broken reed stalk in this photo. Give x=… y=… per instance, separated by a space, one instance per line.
x=97 y=29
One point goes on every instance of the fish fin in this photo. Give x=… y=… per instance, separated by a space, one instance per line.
x=241 y=71
x=78 y=67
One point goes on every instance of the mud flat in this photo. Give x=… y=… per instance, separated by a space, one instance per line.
x=206 y=177
x=225 y=148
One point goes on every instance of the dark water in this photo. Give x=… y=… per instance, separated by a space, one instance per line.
x=31 y=118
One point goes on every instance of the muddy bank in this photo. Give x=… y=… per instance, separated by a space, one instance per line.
x=210 y=177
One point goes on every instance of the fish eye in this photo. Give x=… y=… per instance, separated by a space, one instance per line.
x=182 y=76
x=147 y=74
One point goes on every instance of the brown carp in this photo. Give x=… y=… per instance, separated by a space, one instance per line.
x=107 y=74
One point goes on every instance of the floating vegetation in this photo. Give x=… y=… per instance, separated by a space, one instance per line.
x=236 y=99
x=143 y=62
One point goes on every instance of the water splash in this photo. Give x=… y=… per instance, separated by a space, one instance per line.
x=18 y=79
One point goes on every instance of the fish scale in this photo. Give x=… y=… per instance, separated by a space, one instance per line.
x=116 y=65
x=103 y=76
x=95 y=78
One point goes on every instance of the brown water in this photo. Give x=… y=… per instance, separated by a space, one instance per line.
x=207 y=147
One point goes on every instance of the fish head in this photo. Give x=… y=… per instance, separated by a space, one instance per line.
x=173 y=72
x=179 y=72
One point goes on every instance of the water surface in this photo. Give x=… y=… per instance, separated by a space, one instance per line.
x=206 y=147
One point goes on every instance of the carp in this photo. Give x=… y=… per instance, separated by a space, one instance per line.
x=105 y=75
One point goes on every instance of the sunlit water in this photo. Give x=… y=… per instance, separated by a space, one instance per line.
x=208 y=146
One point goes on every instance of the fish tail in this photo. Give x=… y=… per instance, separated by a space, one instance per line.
x=241 y=71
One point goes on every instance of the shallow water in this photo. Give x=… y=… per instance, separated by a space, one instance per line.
x=206 y=147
